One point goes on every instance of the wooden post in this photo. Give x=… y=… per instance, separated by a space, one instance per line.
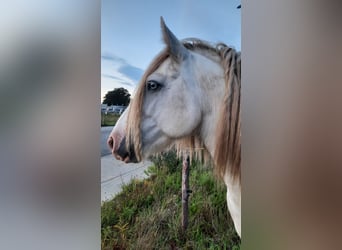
x=185 y=191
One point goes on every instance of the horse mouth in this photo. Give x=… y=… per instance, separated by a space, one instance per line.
x=126 y=159
x=123 y=154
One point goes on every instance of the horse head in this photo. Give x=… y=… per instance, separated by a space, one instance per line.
x=169 y=103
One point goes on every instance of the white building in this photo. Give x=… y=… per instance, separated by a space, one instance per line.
x=104 y=108
x=115 y=109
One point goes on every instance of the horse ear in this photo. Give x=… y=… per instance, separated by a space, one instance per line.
x=176 y=49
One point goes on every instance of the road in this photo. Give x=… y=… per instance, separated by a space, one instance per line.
x=105 y=131
x=115 y=173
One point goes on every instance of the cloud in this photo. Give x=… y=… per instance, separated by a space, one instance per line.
x=113 y=58
x=120 y=80
x=122 y=67
x=112 y=77
x=132 y=72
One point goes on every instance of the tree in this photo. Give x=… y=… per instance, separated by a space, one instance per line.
x=118 y=96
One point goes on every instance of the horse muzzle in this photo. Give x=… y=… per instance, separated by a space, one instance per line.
x=119 y=150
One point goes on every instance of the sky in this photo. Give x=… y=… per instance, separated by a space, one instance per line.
x=131 y=33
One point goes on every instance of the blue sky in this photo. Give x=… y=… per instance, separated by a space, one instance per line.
x=131 y=36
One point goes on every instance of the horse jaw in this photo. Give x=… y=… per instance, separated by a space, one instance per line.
x=152 y=136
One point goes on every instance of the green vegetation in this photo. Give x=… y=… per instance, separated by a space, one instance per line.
x=147 y=213
x=108 y=119
x=118 y=96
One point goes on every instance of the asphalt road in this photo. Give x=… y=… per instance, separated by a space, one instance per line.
x=105 y=131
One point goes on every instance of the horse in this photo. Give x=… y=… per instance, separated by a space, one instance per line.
x=189 y=97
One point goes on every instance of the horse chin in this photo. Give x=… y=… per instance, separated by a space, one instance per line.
x=129 y=158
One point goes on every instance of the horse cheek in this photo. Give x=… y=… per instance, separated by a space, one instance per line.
x=192 y=116
x=180 y=120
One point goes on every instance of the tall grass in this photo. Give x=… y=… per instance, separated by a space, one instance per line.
x=147 y=213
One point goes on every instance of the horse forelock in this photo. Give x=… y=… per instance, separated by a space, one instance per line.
x=227 y=155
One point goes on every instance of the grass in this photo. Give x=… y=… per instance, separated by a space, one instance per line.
x=147 y=213
x=108 y=119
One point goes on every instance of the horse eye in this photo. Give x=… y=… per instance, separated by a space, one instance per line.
x=153 y=85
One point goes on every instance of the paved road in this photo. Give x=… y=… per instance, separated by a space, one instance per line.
x=105 y=131
x=115 y=173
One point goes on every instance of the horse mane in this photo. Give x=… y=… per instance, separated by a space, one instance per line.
x=228 y=132
x=227 y=156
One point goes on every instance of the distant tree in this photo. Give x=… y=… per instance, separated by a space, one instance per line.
x=118 y=96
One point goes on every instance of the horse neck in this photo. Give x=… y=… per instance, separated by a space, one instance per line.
x=213 y=86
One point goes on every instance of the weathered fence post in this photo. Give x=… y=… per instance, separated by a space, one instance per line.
x=185 y=191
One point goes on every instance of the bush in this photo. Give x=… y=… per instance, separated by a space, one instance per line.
x=168 y=160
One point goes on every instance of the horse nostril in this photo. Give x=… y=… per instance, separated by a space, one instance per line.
x=110 y=142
